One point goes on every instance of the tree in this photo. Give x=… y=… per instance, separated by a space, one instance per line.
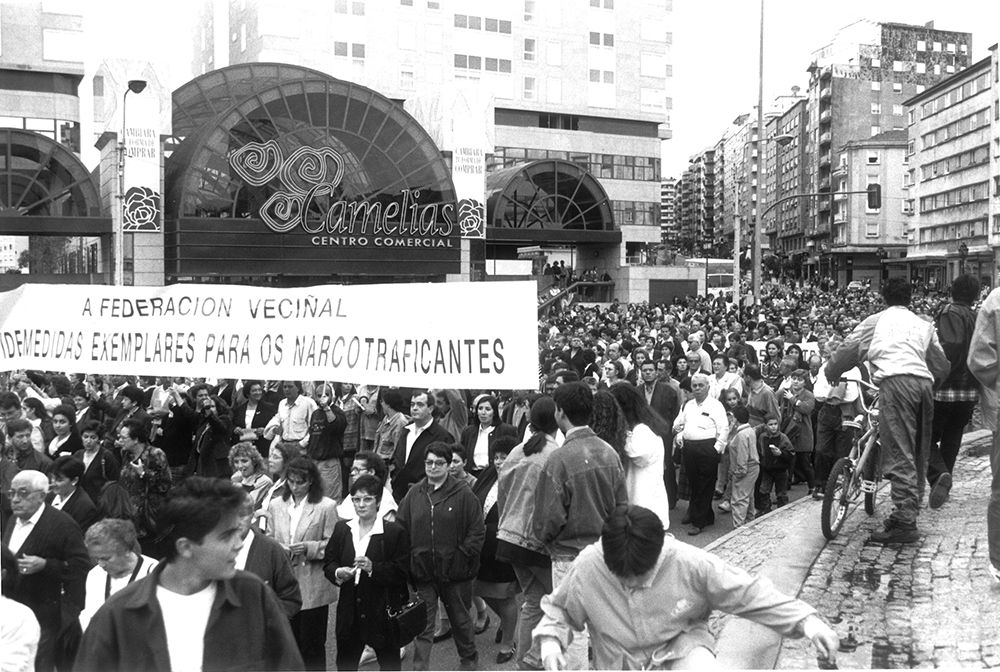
x=43 y=254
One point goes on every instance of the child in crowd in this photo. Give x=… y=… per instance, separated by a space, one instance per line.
x=776 y=454
x=744 y=467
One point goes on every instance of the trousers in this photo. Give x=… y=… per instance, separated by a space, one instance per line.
x=535 y=583
x=742 y=496
x=950 y=420
x=701 y=462
x=906 y=406
x=833 y=441
x=457 y=599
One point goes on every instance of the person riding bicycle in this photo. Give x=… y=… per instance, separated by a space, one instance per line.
x=907 y=362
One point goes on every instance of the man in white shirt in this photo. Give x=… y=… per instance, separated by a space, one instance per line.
x=907 y=361
x=408 y=459
x=702 y=429
x=290 y=425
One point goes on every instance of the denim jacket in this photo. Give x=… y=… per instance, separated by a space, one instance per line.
x=518 y=493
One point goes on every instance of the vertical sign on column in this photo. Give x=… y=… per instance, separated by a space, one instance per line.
x=142 y=167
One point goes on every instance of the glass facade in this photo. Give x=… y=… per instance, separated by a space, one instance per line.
x=604 y=166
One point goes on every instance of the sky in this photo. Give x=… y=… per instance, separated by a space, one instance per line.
x=715 y=63
x=714 y=52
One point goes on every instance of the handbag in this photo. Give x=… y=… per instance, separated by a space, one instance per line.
x=406 y=622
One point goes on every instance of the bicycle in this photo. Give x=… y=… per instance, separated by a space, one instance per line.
x=856 y=474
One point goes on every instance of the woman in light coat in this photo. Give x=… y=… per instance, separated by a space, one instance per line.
x=302 y=521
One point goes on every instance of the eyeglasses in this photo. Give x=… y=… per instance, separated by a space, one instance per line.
x=435 y=463
x=358 y=470
x=363 y=499
x=23 y=493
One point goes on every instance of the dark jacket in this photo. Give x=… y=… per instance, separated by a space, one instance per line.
x=366 y=602
x=269 y=562
x=326 y=437
x=409 y=471
x=446 y=531
x=103 y=468
x=80 y=508
x=471 y=433
x=57 y=538
x=955 y=323
x=665 y=401
x=247 y=630
x=491 y=569
x=768 y=460
x=261 y=415
x=210 y=456
x=70 y=446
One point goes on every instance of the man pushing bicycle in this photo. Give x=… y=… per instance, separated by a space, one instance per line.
x=906 y=362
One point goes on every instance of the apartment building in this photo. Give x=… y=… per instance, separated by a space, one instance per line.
x=953 y=177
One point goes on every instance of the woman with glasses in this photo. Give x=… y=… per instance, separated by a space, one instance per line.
x=368 y=558
x=302 y=521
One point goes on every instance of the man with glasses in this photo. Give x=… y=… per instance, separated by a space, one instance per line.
x=444 y=521
x=52 y=564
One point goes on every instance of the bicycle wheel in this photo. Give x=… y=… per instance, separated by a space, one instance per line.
x=837 y=498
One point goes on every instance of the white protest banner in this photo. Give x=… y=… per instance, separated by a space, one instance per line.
x=417 y=335
x=808 y=349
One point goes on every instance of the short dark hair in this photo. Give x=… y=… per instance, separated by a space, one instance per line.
x=897 y=292
x=194 y=508
x=136 y=430
x=502 y=444
x=752 y=372
x=393 y=399
x=67 y=412
x=632 y=538
x=307 y=468
x=370 y=484
x=965 y=288
x=18 y=425
x=741 y=413
x=568 y=375
x=135 y=394
x=250 y=383
x=440 y=449
x=459 y=449
x=68 y=467
x=9 y=400
x=374 y=462
x=95 y=426
x=576 y=401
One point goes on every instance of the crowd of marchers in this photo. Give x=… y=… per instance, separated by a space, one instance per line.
x=484 y=503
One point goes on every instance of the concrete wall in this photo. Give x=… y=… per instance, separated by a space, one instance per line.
x=632 y=282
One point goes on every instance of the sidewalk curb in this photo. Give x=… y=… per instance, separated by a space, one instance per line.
x=743 y=644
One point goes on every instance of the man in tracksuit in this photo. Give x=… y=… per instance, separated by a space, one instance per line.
x=907 y=361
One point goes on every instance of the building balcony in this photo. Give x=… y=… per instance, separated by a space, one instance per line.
x=825 y=93
x=825 y=116
x=824 y=184
x=824 y=160
x=823 y=205
x=839 y=217
x=825 y=139
x=826 y=73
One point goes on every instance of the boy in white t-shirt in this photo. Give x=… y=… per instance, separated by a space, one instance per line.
x=196 y=610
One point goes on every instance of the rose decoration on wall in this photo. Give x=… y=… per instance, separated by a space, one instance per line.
x=307 y=167
x=471 y=219
x=257 y=162
x=141 y=211
x=282 y=212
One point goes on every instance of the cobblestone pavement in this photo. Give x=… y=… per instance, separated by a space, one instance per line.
x=930 y=604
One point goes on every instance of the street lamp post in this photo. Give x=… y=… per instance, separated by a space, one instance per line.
x=134 y=86
x=758 y=218
x=963 y=253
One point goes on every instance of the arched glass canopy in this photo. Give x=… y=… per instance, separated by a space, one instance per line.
x=548 y=194
x=263 y=114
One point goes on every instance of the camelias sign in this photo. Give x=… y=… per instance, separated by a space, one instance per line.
x=306 y=202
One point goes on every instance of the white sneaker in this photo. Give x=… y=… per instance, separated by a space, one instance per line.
x=725 y=506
